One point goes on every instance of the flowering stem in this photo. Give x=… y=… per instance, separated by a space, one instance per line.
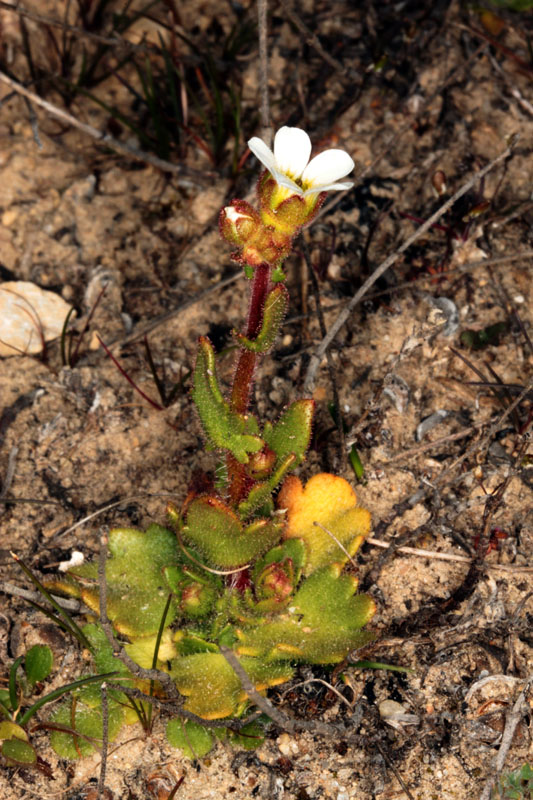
x=244 y=374
x=243 y=380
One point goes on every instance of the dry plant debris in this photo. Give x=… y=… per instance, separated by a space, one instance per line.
x=410 y=92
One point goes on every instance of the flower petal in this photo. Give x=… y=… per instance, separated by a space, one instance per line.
x=326 y=168
x=262 y=152
x=339 y=187
x=283 y=180
x=292 y=148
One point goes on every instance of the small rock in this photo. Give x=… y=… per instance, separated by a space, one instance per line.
x=395 y=714
x=29 y=314
x=444 y=313
x=428 y=423
x=9 y=217
x=397 y=390
x=286 y=745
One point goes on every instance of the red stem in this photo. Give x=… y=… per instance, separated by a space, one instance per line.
x=244 y=374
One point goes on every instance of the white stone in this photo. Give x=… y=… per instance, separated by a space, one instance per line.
x=29 y=314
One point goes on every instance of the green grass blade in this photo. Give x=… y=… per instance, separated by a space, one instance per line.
x=74 y=629
x=69 y=687
x=13 y=698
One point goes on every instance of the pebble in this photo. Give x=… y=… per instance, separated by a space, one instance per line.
x=29 y=314
x=287 y=745
x=9 y=217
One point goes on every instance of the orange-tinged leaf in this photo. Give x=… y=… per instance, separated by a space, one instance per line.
x=326 y=502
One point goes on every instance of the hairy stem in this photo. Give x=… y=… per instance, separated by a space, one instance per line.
x=244 y=374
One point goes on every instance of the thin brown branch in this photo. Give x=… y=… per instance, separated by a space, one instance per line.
x=176 y=708
x=143 y=330
x=16 y=591
x=331 y=366
x=513 y=717
x=261 y=702
x=280 y=719
x=57 y=23
x=423 y=448
x=345 y=314
x=10 y=471
x=264 y=108
x=492 y=431
x=311 y=39
x=408 y=124
x=184 y=175
x=436 y=556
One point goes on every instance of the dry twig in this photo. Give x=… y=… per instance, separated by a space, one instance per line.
x=184 y=175
x=311 y=39
x=16 y=591
x=343 y=317
x=264 y=108
x=436 y=556
x=513 y=717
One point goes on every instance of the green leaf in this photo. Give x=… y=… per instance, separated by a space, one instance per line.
x=477 y=340
x=88 y=723
x=189 y=642
x=5 y=703
x=249 y=737
x=223 y=427
x=190 y=737
x=293 y=549
x=68 y=687
x=18 y=753
x=38 y=663
x=261 y=493
x=211 y=686
x=136 y=589
x=322 y=624
x=13 y=688
x=195 y=595
x=357 y=464
x=103 y=657
x=10 y=730
x=218 y=533
x=274 y=311
x=292 y=432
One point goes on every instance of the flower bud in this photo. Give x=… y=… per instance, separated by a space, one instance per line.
x=197 y=600
x=276 y=581
x=261 y=464
x=239 y=222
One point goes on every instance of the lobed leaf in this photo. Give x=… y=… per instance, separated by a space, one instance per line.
x=136 y=590
x=321 y=626
x=224 y=428
x=220 y=536
x=325 y=515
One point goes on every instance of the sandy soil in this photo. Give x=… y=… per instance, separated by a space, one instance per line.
x=412 y=91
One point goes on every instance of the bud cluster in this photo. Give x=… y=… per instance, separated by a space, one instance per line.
x=266 y=236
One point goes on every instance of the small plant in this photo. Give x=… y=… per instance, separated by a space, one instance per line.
x=517 y=785
x=254 y=563
x=25 y=675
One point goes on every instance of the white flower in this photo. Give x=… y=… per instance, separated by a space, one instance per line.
x=290 y=166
